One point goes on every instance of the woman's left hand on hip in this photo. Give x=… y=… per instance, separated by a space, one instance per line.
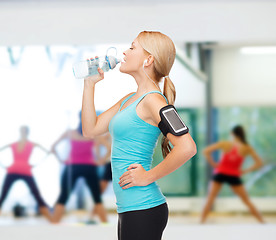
x=135 y=176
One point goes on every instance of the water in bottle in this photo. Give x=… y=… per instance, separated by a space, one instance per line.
x=90 y=67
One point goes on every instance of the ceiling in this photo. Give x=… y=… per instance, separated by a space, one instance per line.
x=25 y=22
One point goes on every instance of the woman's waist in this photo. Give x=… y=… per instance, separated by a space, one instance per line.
x=228 y=171
x=19 y=169
x=136 y=192
x=20 y=165
x=119 y=165
x=79 y=159
x=131 y=155
x=230 y=165
x=80 y=163
x=137 y=196
x=132 y=147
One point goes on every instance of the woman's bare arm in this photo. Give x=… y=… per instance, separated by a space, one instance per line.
x=92 y=125
x=257 y=159
x=210 y=149
x=62 y=136
x=41 y=147
x=184 y=147
x=4 y=147
x=104 y=140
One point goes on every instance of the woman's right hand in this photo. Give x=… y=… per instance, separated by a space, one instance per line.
x=95 y=78
x=215 y=164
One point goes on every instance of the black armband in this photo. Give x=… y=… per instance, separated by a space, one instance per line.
x=171 y=122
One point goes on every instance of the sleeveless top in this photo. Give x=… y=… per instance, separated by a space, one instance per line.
x=230 y=163
x=21 y=164
x=81 y=153
x=133 y=141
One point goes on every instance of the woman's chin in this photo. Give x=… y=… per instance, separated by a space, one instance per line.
x=122 y=70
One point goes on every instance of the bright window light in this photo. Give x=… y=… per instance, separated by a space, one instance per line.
x=259 y=50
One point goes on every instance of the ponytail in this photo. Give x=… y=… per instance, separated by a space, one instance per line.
x=239 y=132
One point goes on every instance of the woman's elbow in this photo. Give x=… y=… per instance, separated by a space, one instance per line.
x=191 y=150
x=205 y=152
x=260 y=164
x=87 y=134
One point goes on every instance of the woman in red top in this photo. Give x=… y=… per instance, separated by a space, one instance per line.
x=228 y=170
x=21 y=170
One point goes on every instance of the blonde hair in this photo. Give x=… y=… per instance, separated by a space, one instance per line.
x=162 y=48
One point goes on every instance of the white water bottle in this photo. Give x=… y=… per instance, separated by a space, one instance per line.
x=90 y=67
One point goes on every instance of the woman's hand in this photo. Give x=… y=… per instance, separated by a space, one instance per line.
x=214 y=164
x=95 y=78
x=53 y=150
x=245 y=171
x=135 y=176
x=101 y=162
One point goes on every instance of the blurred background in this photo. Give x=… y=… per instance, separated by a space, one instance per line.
x=224 y=75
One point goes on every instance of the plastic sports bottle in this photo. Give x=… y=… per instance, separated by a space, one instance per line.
x=90 y=67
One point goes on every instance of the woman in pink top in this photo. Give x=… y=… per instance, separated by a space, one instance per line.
x=228 y=170
x=21 y=169
x=81 y=163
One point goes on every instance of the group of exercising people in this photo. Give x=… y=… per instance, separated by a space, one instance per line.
x=84 y=158
x=82 y=163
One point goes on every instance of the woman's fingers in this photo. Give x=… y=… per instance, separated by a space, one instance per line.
x=101 y=72
x=134 y=165
x=124 y=174
x=128 y=186
x=127 y=181
x=123 y=179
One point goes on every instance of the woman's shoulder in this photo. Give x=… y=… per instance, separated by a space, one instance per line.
x=152 y=104
x=126 y=96
x=156 y=96
x=226 y=145
x=249 y=149
x=155 y=100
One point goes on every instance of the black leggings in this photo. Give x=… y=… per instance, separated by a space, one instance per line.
x=107 y=176
x=146 y=224
x=29 y=180
x=72 y=173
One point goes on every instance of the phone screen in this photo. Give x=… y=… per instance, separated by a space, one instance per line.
x=174 y=120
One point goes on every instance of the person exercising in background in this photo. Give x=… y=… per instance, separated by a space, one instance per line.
x=81 y=163
x=103 y=140
x=228 y=170
x=21 y=169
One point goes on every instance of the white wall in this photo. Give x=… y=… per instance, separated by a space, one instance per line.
x=243 y=80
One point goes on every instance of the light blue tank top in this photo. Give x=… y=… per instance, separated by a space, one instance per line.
x=133 y=141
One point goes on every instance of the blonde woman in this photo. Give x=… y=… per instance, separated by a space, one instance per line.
x=133 y=125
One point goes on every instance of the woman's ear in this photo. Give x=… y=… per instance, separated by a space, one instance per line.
x=149 y=60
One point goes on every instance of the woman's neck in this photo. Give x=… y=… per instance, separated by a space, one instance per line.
x=23 y=139
x=145 y=84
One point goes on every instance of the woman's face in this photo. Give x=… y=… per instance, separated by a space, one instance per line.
x=24 y=132
x=133 y=58
x=233 y=137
